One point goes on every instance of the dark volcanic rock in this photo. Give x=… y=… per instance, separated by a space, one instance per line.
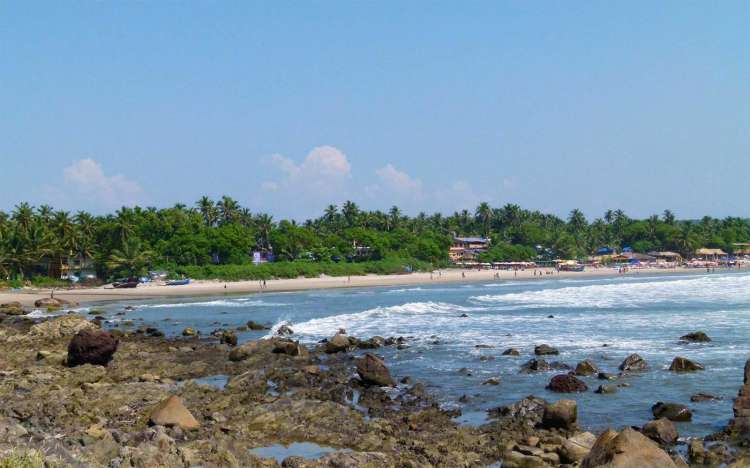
x=606 y=376
x=566 y=383
x=255 y=326
x=681 y=364
x=696 y=337
x=536 y=365
x=511 y=352
x=671 y=411
x=92 y=347
x=633 y=363
x=545 y=350
x=373 y=371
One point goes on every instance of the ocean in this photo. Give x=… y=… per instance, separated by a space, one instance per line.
x=633 y=314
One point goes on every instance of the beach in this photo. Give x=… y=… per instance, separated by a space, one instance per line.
x=27 y=296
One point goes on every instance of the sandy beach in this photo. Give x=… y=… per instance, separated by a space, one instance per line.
x=213 y=287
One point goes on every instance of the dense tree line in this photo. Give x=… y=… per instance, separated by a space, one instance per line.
x=210 y=233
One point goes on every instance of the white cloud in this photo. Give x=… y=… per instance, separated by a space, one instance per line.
x=323 y=171
x=86 y=178
x=398 y=181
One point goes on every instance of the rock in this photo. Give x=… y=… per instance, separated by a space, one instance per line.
x=626 y=449
x=483 y=346
x=53 y=302
x=95 y=347
x=228 y=337
x=606 y=376
x=701 y=397
x=338 y=343
x=536 y=365
x=671 y=411
x=606 y=389
x=561 y=414
x=545 y=350
x=284 y=330
x=575 y=449
x=290 y=348
x=463 y=316
x=373 y=371
x=52 y=358
x=60 y=327
x=681 y=364
x=516 y=459
x=491 y=381
x=566 y=383
x=511 y=352
x=189 y=332
x=696 y=337
x=373 y=343
x=696 y=452
x=633 y=363
x=528 y=412
x=12 y=308
x=244 y=351
x=586 y=368
x=255 y=326
x=171 y=412
x=662 y=431
x=153 y=332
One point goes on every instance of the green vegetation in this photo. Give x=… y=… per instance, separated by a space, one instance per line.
x=23 y=459
x=216 y=239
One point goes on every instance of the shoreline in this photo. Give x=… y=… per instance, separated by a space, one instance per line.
x=203 y=288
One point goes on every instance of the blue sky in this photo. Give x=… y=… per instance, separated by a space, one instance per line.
x=290 y=106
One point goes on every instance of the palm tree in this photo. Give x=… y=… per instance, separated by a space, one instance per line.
x=394 y=216
x=668 y=217
x=350 y=210
x=483 y=215
x=131 y=258
x=330 y=215
x=264 y=225
x=228 y=209
x=207 y=209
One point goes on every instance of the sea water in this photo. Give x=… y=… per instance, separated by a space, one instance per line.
x=629 y=314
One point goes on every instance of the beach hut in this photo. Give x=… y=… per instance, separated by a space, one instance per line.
x=710 y=254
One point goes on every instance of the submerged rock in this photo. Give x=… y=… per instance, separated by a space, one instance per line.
x=255 y=326
x=95 y=347
x=545 y=350
x=373 y=371
x=671 y=411
x=171 y=412
x=606 y=389
x=566 y=383
x=681 y=364
x=511 y=352
x=662 y=431
x=626 y=449
x=634 y=362
x=536 y=365
x=701 y=397
x=695 y=337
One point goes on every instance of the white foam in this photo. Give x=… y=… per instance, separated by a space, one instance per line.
x=731 y=289
x=242 y=302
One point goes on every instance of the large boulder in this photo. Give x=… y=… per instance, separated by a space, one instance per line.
x=372 y=371
x=171 y=412
x=566 y=383
x=586 y=368
x=575 y=449
x=252 y=325
x=337 y=343
x=561 y=414
x=53 y=302
x=695 y=337
x=527 y=412
x=60 y=327
x=626 y=449
x=634 y=362
x=672 y=411
x=662 y=431
x=245 y=350
x=545 y=350
x=681 y=364
x=92 y=347
x=284 y=330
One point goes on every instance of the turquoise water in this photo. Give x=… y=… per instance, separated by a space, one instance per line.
x=630 y=314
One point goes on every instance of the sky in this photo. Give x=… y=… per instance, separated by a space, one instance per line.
x=430 y=105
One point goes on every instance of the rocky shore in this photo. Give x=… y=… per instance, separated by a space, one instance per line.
x=76 y=395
